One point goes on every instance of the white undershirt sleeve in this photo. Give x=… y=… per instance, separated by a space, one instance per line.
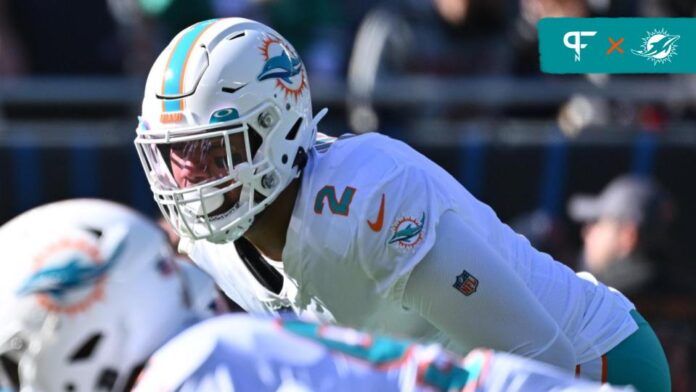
x=502 y=313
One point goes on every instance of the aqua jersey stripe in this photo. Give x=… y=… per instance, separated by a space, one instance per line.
x=172 y=76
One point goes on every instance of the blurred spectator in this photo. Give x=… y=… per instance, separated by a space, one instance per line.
x=415 y=37
x=146 y=26
x=524 y=29
x=12 y=57
x=667 y=8
x=625 y=234
x=626 y=241
x=75 y=37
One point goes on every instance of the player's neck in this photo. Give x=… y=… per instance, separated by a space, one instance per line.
x=270 y=229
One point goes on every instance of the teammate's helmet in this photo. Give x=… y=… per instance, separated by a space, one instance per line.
x=88 y=291
x=226 y=123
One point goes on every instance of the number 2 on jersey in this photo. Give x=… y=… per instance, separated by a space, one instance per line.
x=337 y=206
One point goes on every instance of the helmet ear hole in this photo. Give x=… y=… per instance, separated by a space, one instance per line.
x=293 y=131
x=87 y=349
x=255 y=141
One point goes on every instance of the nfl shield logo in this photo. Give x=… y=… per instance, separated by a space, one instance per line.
x=466 y=283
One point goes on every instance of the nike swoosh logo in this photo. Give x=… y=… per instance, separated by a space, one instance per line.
x=377 y=225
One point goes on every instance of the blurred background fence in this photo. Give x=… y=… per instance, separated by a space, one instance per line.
x=67 y=137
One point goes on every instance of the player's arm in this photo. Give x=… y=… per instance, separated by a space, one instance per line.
x=416 y=256
x=491 y=306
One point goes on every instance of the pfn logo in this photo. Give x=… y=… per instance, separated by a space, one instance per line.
x=572 y=40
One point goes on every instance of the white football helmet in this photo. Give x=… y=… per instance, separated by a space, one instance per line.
x=226 y=124
x=88 y=291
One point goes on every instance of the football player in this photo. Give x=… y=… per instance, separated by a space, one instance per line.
x=88 y=291
x=243 y=353
x=367 y=231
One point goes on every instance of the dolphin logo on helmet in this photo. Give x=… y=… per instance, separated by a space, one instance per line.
x=59 y=279
x=282 y=67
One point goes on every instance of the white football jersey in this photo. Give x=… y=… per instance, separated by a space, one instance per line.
x=366 y=215
x=224 y=264
x=242 y=353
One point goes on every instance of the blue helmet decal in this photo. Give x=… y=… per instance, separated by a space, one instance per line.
x=73 y=273
x=282 y=67
x=222 y=115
